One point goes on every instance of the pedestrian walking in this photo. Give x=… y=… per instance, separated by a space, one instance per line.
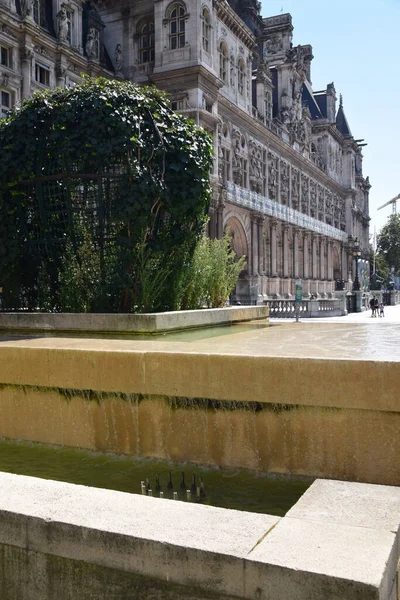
x=372 y=306
x=376 y=301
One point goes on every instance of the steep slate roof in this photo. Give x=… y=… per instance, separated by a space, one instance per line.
x=311 y=101
x=341 y=121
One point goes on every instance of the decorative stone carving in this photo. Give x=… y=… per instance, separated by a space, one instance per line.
x=256 y=167
x=313 y=199
x=62 y=24
x=119 y=59
x=328 y=208
x=285 y=181
x=41 y=50
x=272 y=175
x=295 y=188
x=274 y=44
x=237 y=172
x=232 y=71
x=321 y=203
x=304 y=193
x=4 y=80
x=7 y=31
x=90 y=43
x=26 y=8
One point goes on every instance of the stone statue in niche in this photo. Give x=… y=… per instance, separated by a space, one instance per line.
x=295 y=189
x=272 y=175
x=284 y=182
x=304 y=194
x=232 y=71
x=236 y=164
x=26 y=7
x=220 y=158
x=313 y=199
x=62 y=24
x=90 y=43
x=119 y=59
x=256 y=175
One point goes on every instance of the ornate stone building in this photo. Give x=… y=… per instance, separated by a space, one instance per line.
x=287 y=178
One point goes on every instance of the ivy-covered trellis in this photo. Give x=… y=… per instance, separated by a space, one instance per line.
x=104 y=193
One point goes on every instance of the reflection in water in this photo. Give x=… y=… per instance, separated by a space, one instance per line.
x=240 y=490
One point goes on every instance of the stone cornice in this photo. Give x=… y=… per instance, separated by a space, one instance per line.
x=228 y=16
x=180 y=77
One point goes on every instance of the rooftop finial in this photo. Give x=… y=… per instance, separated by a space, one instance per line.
x=341 y=101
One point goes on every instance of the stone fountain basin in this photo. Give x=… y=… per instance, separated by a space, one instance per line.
x=151 y=323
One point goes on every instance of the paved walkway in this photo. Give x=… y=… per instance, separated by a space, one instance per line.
x=392 y=315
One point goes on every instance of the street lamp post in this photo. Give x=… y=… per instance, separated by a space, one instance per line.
x=356 y=255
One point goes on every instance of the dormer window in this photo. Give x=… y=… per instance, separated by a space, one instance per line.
x=146 y=43
x=176 y=16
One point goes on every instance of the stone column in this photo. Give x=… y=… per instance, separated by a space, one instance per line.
x=296 y=253
x=306 y=239
x=285 y=251
x=314 y=241
x=274 y=224
x=330 y=262
x=220 y=213
x=343 y=260
x=254 y=244
x=322 y=246
x=212 y=226
x=26 y=68
x=261 y=266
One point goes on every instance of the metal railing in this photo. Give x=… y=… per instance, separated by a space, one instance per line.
x=254 y=201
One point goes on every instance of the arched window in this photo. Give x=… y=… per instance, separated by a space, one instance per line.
x=206 y=29
x=146 y=43
x=241 y=76
x=223 y=62
x=176 y=16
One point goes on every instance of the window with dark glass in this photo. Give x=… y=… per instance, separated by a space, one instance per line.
x=206 y=30
x=146 y=43
x=5 y=56
x=177 y=26
x=70 y=17
x=36 y=11
x=42 y=74
x=223 y=61
x=241 y=77
x=5 y=103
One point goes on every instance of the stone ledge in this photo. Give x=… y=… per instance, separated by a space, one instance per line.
x=132 y=323
x=217 y=551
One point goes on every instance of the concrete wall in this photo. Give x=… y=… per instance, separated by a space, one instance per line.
x=57 y=540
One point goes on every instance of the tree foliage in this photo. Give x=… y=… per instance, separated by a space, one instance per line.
x=104 y=193
x=388 y=243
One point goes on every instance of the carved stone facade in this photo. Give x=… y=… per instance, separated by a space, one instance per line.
x=288 y=175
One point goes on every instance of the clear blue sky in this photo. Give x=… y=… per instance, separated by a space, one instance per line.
x=356 y=44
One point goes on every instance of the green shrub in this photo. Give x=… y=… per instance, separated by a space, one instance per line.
x=213 y=273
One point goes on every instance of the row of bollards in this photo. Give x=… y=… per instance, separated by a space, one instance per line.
x=195 y=491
